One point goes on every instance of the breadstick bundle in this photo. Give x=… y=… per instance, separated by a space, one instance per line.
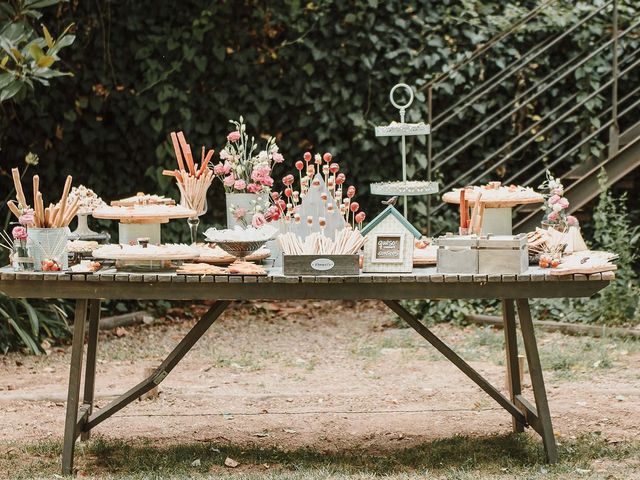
x=54 y=216
x=193 y=180
x=346 y=242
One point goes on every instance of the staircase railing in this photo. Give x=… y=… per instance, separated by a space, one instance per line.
x=564 y=148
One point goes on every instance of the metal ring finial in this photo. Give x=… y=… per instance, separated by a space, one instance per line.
x=406 y=87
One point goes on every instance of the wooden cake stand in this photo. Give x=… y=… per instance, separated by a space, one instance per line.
x=142 y=221
x=498 y=213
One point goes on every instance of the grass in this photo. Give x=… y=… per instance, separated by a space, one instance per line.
x=462 y=457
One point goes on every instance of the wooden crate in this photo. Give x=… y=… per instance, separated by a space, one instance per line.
x=457 y=254
x=321 y=264
x=503 y=254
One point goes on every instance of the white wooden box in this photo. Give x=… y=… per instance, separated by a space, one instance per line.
x=503 y=254
x=457 y=254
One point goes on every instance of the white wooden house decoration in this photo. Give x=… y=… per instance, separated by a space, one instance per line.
x=389 y=243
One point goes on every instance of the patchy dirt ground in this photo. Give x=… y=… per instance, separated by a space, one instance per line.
x=323 y=376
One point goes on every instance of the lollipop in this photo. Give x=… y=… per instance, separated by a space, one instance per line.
x=360 y=218
x=327 y=157
x=309 y=220
x=334 y=168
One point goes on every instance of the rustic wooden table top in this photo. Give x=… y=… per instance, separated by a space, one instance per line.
x=421 y=283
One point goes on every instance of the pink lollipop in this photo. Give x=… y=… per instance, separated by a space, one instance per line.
x=299 y=165
x=327 y=157
x=334 y=168
x=354 y=207
x=307 y=156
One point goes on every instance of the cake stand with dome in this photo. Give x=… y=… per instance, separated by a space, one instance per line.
x=403 y=188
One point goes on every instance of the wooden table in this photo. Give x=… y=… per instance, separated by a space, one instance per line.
x=422 y=284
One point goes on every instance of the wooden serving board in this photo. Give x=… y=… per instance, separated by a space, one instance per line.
x=227 y=259
x=583 y=270
x=454 y=197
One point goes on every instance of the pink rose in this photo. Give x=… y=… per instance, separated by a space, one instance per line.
x=553 y=217
x=239 y=213
x=572 y=221
x=564 y=203
x=254 y=188
x=258 y=220
x=233 y=136
x=27 y=218
x=218 y=169
x=277 y=157
x=229 y=181
x=19 y=233
x=226 y=168
x=554 y=199
x=240 y=185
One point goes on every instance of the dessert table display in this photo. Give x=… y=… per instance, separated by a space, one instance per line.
x=515 y=291
x=327 y=254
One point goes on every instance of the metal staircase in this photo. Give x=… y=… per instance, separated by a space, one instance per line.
x=473 y=156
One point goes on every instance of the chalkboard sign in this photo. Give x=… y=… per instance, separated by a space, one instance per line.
x=388 y=248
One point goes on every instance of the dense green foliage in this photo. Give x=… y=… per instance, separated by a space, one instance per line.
x=314 y=74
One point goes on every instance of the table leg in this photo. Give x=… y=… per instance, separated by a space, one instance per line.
x=90 y=370
x=73 y=395
x=537 y=380
x=511 y=349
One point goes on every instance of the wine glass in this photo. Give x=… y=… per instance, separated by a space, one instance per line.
x=193 y=222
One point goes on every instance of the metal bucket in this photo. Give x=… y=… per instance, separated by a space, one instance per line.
x=48 y=244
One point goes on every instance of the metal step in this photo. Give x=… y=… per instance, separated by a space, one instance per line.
x=629 y=135
x=586 y=188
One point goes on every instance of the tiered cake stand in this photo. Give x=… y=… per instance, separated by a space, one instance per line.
x=403 y=188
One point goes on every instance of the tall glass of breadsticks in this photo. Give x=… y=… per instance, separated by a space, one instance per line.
x=193 y=180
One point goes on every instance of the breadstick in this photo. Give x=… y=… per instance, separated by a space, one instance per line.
x=36 y=189
x=22 y=201
x=187 y=152
x=63 y=201
x=176 y=149
x=39 y=210
x=206 y=161
x=14 y=209
x=71 y=213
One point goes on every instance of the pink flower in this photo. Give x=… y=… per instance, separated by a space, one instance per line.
x=554 y=199
x=240 y=184
x=224 y=154
x=226 y=168
x=239 y=213
x=19 y=233
x=229 y=181
x=254 y=188
x=267 y=181
x=277 y=157
x=27 y=218
x=558 y=191
x=553 y=217
x=563 y=202
x=233 y=136
x=258 y=220
x=218 y=169
x=572 y=221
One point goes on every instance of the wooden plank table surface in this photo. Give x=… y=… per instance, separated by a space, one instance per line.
x=421 y=284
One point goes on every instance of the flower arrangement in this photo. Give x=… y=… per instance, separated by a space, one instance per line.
x=556 y=205
x=244 y=169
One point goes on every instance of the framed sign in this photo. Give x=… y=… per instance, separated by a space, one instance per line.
x=388 y=248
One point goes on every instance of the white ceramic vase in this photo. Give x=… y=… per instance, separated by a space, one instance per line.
x=247 y=202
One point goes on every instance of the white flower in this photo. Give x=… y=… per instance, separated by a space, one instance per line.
x=557 y=207
x=263 y=156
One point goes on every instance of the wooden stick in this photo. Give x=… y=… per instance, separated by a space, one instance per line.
x=14 y=209
x=176 y=149
x=22 y=201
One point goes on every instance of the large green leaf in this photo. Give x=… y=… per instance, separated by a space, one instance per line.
x=33 y=318
x=10 y=90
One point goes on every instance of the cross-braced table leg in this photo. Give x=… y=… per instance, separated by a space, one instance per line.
x=511 y=348
x=90 y=370
x=73 y=395
x=523 y=413
x=541 y=417
x=83 y=421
